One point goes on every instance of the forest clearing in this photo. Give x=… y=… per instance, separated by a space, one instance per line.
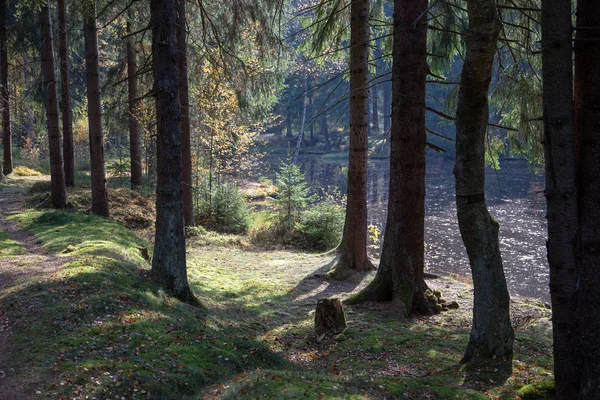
x=93 y=323
x=318 y=199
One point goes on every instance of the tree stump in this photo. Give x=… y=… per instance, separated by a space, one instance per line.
x=329 y=318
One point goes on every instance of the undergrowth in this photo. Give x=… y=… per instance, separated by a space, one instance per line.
x=102 y=327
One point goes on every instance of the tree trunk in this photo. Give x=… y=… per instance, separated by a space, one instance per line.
x=169 y=261
x=375 y=108
x=400 y=274
x=67 y=114
x=57 y=174
x=587 y=135
x=4 y=93
x=186 y=147
x=491 y=334
x=302 y=124
x=387 y=109
x=353 y=248
x=561 y=193
x=99 y=195
x=325 y=132
x=289 y=124
x=135 y=153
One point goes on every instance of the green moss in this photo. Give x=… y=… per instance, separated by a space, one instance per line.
x=8 y=246
x=543 y=390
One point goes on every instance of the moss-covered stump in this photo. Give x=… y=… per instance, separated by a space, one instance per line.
x=329 y=318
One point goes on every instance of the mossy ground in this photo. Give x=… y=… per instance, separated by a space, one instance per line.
x=101 y=327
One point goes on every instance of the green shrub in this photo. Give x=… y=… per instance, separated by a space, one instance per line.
x=222 y=208
x=322 y=226
x=293 y=193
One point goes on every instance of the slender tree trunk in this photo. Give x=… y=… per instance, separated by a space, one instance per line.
x=353 y=248
x=587 y=134
x=99 y=194
x=288 y=121
x=375 y=108
x=325 y=132
x=387 y=109
x=561 y=191
x=135 y=153
x=491 y=334
x=5 y=93
x=400 y=274
x=169 y=261
x=67 y=114
x=302 y=124
x=28 y=117
x=186 y=148
x=57 y=174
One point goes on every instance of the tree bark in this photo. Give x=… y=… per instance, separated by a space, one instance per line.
x=5 y=94
x=492 y=335
x=67 y=114
x=186 y=147
x=400 y=274
x=353 y=248
x=169 y=261
x=57 y=174
x=99 y=194
x=135 y=153
x=587 y=135
x=561 y=190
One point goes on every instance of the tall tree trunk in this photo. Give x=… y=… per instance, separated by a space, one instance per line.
x=325 y=132
x=353 y=248
x=587 y=135
x=99 y=195
x=400 y=274
x=375 y=108
x=57 y=174
x=491 y=334
x=186 y=147
x=169 y=261
x=303 y=123
x=387 y=108
x=4 y=93
x=67 y=114
x=561 y=191
x=135 y=153
x=288 y=121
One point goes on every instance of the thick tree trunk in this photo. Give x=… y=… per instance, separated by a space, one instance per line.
x=135 y=153
x=353 y=249
x=99 y=195
x=67 y=114
x=587 y=134
x=57 y=174
x=561 y=193
x=186 y=147
x=400 y=274
x=4 y=93
x=491 y=334
x=169 y=261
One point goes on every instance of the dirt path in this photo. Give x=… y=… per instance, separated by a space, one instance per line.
x=16 y=382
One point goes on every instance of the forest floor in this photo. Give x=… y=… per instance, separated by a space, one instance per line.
x=82 y=317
